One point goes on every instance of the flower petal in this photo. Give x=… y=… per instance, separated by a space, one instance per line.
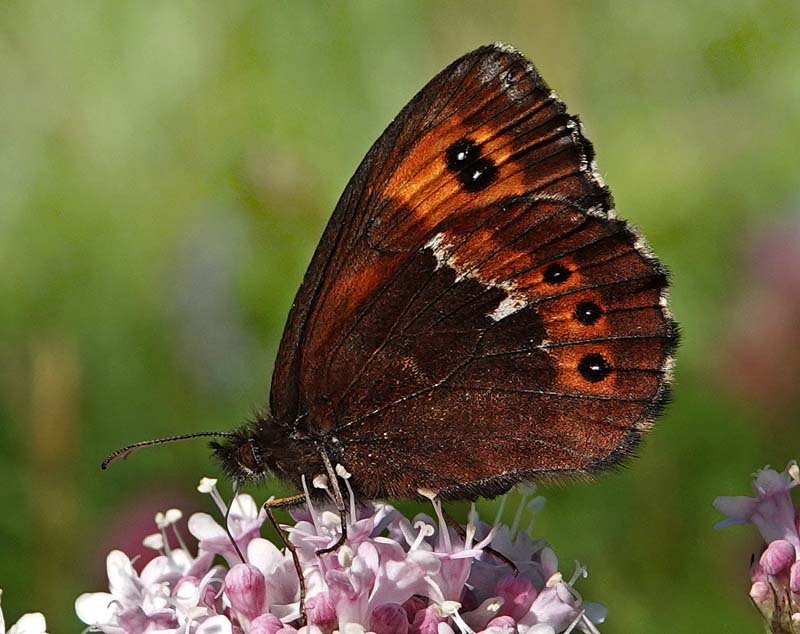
x=122 y=578
x=96 y=608
x=539 y=628
x=32 y=623
x=215 y=625
x=738 y=508
x=777 y=557
x=264 y=555
x=246 y=589
x=204 y=527
x=794 y=578
x=389 y=618
x=266 y=624
x=244 y=507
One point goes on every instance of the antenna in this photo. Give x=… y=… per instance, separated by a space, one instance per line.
x=127 y=451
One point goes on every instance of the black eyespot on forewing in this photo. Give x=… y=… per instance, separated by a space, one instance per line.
x=474 y=172
x=478 y=176
x=588 y=313
x=594 y=368
x=556 y=274
x=461 y=154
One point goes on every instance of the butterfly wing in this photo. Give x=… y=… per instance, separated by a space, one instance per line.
x=475 y=316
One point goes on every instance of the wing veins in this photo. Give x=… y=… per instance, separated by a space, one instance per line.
x=450 y=179
x=416 y=393
x=413 y=140
x=490 y=286
x=470 y=272
x=379 y=293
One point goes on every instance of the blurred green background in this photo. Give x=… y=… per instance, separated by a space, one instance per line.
x=166 y=169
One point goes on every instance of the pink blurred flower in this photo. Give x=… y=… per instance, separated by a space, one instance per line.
x=132 y=521
x=763 y=339
x=775 y=575
x=771 y=510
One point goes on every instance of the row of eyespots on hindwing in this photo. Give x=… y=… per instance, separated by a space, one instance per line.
x=593 y=367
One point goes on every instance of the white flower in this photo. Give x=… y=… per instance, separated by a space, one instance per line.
x=32 y=623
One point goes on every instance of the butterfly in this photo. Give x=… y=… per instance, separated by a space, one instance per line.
x=475 y=316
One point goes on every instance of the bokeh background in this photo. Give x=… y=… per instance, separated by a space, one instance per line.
x=166 y=169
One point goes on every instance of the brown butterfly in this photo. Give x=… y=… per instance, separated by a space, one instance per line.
x=474 y=315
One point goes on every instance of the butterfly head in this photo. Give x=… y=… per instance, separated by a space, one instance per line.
x=241 y=457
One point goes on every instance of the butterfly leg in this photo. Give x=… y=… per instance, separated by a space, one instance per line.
x=498 y=555
x=487 y=549
x=282 y=503
x=338 y=499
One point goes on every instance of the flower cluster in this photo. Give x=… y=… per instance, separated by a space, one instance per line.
x=762 y=336
x=32 y=623
x=392 y=576
x=775 y=588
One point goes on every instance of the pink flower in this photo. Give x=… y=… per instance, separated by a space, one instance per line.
x=761 y=331
x=775 y=576
x=390 y=618
x=778 y=557
x=246 y=588
x=517 y=594
x=391 y=576
x=282 y=588
x=771 y=510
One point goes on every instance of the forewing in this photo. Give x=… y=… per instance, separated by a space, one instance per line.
x=475 y=316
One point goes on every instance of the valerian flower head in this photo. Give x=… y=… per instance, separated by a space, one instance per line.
x=393 y=575
x=775 y=574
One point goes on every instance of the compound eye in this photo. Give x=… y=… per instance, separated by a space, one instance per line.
x=247 y=457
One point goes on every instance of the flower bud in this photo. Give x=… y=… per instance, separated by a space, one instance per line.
x=266 y=624
x=760 y=591
x=517 y=593
x=778 y=556
x=427 y=621
x=246 y=589
x=794 y=578
x=501 y=625
x=389 y=618
x=321 y=611
x=414 y=605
